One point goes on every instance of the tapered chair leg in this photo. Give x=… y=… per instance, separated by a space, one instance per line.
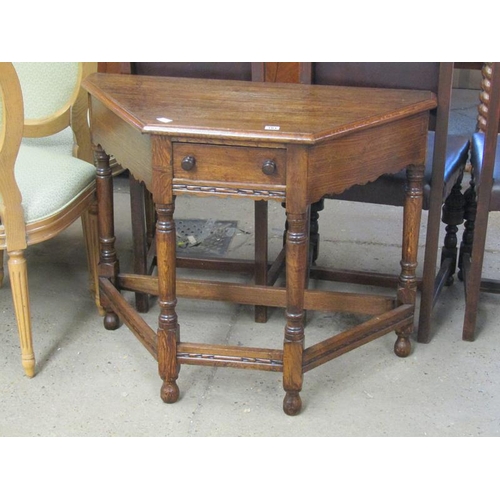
x=429 y=281
x=1 y=268
x=91 y=235
x=18 y=273
x=472 y=265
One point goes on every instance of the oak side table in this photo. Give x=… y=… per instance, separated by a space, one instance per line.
x=286 y=142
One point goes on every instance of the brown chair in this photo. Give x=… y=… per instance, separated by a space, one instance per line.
x=482 y=197
x=43 y=187
x=446 y=160
x=141 y=206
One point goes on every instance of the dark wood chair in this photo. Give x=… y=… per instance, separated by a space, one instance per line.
x=482 y=197
x=446 y=160
x=143 y=216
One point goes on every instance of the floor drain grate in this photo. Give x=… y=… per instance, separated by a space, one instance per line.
x=197 y=237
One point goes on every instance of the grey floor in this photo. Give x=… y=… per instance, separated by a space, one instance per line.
x=92 y=382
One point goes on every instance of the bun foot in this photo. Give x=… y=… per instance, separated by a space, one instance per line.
x=111 y=321
x=292 y=404
x=402 y=347
x=169 y=392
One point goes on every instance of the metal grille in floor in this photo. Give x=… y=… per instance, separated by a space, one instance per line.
x=204 y=237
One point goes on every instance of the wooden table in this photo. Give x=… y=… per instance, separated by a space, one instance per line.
x=286 y=142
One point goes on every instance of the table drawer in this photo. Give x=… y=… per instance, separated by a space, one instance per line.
x=229 y=164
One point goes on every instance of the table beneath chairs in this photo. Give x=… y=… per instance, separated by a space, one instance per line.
x=285 y=142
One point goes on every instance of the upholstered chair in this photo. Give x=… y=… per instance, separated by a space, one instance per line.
x=47 y=179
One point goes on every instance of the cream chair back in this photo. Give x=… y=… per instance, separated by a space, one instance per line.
x=49 y=91
x=54 y=100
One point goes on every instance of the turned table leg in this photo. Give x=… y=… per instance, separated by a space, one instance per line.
x=297 y=264
x=407 y=287
x=108 y=264
x=168 y=327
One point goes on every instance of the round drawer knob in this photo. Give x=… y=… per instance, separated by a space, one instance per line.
x=188 y=163
x=269 y=167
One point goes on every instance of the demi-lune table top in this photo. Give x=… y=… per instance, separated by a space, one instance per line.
x=288 y=113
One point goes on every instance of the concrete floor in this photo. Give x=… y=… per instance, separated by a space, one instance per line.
x=92 y=382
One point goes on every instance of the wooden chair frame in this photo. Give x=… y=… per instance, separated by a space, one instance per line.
x=15 y=234
x=478 y=202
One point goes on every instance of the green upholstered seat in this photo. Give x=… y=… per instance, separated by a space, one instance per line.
x=49 y=180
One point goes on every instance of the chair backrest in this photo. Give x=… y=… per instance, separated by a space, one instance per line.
x=212 y=70
x=12 y=227
x=492 y=118
x=54 y=100
x=400 y=75
x=403 y=75
x=484 y=97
